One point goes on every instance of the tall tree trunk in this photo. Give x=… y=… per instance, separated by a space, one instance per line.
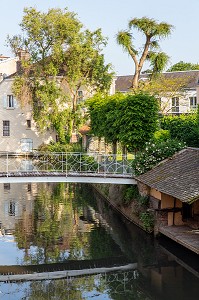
x=114 y=147
x=99 y=145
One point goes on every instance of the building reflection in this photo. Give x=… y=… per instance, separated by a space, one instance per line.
x=16 y=204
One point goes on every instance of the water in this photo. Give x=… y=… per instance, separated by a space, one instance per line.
x=55 y=227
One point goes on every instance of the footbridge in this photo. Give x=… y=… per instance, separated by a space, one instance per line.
x=66 y=167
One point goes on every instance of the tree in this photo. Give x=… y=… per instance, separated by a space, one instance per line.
x=125 y=118
x=137 y=120
x=62 y=59
x=165 y=87
x=183 y=66
x=153 y=33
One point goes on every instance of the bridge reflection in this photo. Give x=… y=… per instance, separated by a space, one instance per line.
x=65 y=269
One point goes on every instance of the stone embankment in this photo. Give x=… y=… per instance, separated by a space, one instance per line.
x=114 y=195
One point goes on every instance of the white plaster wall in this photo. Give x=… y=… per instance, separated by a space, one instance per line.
x=184 y=102
x=8 y=66
x=18 y=124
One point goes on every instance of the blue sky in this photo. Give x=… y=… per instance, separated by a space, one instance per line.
x=112 y=16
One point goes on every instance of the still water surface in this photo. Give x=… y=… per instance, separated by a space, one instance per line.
x=58 y=224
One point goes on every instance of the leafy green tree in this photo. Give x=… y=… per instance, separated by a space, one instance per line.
x=63 y=58
x=137 y=120
x=185 y=128
x=183 y=66
x=128 y=119
x=153 y=33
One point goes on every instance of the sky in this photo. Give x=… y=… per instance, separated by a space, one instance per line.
x=112 y=16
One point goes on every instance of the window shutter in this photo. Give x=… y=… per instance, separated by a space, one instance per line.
x=4 y=101
x=15 y=102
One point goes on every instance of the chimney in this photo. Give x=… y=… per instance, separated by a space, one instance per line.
x=22 y=55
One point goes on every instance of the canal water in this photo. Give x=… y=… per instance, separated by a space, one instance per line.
x=49 y=228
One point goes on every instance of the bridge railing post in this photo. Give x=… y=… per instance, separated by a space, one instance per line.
x=105 y=156
x=66 y=164
x=62 y=162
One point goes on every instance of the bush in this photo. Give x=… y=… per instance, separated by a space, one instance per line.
x=184 y=128
x=132 y=194
x=155 y=153
x=59 y=147
x=147 y=219
x=161 y=135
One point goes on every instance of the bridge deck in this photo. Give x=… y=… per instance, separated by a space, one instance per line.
x=16 y=177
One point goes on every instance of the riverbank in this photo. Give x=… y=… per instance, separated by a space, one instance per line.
x=114 y=196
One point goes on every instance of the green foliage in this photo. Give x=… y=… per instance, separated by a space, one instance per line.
x=147 y=219
x=184 y=128
x=153 y=33
x=183 y=66
x=137 y=120
x=161 y=135
x=155 y=153
x=124 y=118
x=62 y=58
x=59 y=147
x=132 y=194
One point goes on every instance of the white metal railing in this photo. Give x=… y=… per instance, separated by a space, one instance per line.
x=64 y=163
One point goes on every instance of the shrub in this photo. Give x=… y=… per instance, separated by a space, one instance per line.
x=132 y=194
x=147 y=219
x=184 y=128
x=155 y=153
x=161 y=135
x=59 y=147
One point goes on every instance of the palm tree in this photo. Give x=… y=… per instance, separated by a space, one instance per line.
x=153 y=32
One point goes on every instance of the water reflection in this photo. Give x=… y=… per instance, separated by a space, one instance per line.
x=57 y=223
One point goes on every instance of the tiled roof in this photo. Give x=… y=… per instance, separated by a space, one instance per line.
x=123 y=83
x=177 y=176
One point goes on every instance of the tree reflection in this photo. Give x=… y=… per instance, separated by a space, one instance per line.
x=61 y=227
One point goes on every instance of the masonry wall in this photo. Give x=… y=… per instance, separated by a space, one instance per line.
x=18 y=124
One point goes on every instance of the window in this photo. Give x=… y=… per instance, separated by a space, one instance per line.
x=6 y=128
x=6 y=186
x=11 y=208
x=26 y=145
x=10 y=101
x=28 y=122
x=193 y=102
x=175 y=105
x=29 y=187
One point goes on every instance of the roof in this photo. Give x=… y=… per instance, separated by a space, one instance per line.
x=177 y=176
x=84 y=129
x=123 y=83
